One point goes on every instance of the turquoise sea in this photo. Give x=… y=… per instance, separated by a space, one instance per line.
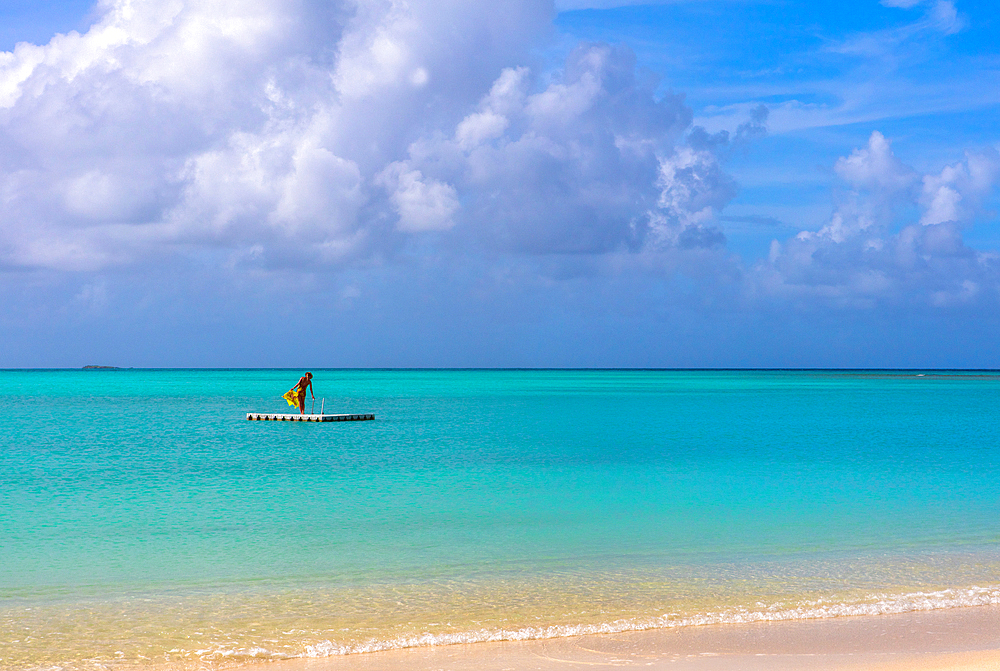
x=144 y=521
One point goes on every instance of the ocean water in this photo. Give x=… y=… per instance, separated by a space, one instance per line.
x=144 y=521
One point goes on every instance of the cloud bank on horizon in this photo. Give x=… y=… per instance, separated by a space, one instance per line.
x=272 y=139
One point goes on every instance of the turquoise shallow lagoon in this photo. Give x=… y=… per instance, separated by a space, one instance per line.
x=144 y=521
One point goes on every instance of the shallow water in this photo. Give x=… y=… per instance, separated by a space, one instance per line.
x=144 y=520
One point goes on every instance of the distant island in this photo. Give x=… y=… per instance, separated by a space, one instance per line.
x=100 y=368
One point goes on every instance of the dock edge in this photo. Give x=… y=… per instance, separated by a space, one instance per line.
x=280 y=417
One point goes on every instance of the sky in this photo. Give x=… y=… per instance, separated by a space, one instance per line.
x=456 y=183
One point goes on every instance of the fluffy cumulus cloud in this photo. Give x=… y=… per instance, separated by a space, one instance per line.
x=320 y=133
x=174 y=126
x=590 y=162
x=895 y=237
x=340 y=148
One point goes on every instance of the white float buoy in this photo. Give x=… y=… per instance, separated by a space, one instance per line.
x=280 y=417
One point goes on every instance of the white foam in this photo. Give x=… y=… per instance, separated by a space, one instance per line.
x=875 y=605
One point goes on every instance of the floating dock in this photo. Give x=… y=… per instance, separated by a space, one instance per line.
x=296 y=417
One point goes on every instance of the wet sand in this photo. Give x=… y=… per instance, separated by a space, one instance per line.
x=966 y=639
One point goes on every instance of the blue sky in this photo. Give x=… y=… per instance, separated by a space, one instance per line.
x=278 y=183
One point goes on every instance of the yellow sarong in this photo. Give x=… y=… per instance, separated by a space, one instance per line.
x=292 y=396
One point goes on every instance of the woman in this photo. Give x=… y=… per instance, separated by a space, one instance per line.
x=304 y=382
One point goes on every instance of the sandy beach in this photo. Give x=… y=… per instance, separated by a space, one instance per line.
x=964 y=639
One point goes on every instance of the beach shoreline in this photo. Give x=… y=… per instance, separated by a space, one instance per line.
x=960 y=638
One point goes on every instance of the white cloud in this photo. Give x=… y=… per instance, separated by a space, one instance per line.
x=479 y=127
x=956 y=195
x=422 y=204
x=97 y=195
x=875 y=167
x=317 y=133
x=858 y=260
x=940 y=17
x=591 y=163
x=945 y=17
x=305 y=135
x=322 y=190
x=173 y=126
x=693 y=188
